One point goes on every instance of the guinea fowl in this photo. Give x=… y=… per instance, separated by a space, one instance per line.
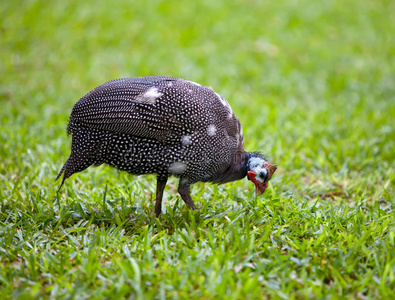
x=165 y=126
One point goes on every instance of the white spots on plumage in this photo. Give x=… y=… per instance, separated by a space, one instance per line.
x=225 y=104
x=170 y=84
x=150 y=96
x=177 y=168
x=211 y=130
x=230 y=115
x=186 y=140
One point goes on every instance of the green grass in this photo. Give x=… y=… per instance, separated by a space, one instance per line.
x=313 y=83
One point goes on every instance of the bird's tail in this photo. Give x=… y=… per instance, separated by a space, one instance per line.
x=63 y=170
x=84 y=153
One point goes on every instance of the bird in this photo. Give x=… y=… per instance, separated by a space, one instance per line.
x=165 y=126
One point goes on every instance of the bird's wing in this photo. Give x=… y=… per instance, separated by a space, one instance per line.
x=129 y=106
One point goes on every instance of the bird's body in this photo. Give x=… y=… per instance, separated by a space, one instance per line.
x=161 y=125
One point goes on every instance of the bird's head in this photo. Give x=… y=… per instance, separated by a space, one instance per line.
x=259 y=171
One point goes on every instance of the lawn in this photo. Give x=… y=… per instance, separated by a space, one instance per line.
x=313 y=84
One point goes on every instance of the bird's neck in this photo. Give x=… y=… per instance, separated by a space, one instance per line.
x=236 y=170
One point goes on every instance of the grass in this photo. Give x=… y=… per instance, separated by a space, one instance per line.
x=313 y=84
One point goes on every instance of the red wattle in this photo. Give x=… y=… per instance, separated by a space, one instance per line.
x=251 y=176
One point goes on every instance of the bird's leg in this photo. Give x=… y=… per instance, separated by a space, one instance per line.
x=185 y=192
x=160 y=186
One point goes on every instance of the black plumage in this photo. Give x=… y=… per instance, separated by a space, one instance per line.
x=165 y=126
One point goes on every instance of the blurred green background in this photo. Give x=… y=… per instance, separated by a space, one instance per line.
x=313 y=83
